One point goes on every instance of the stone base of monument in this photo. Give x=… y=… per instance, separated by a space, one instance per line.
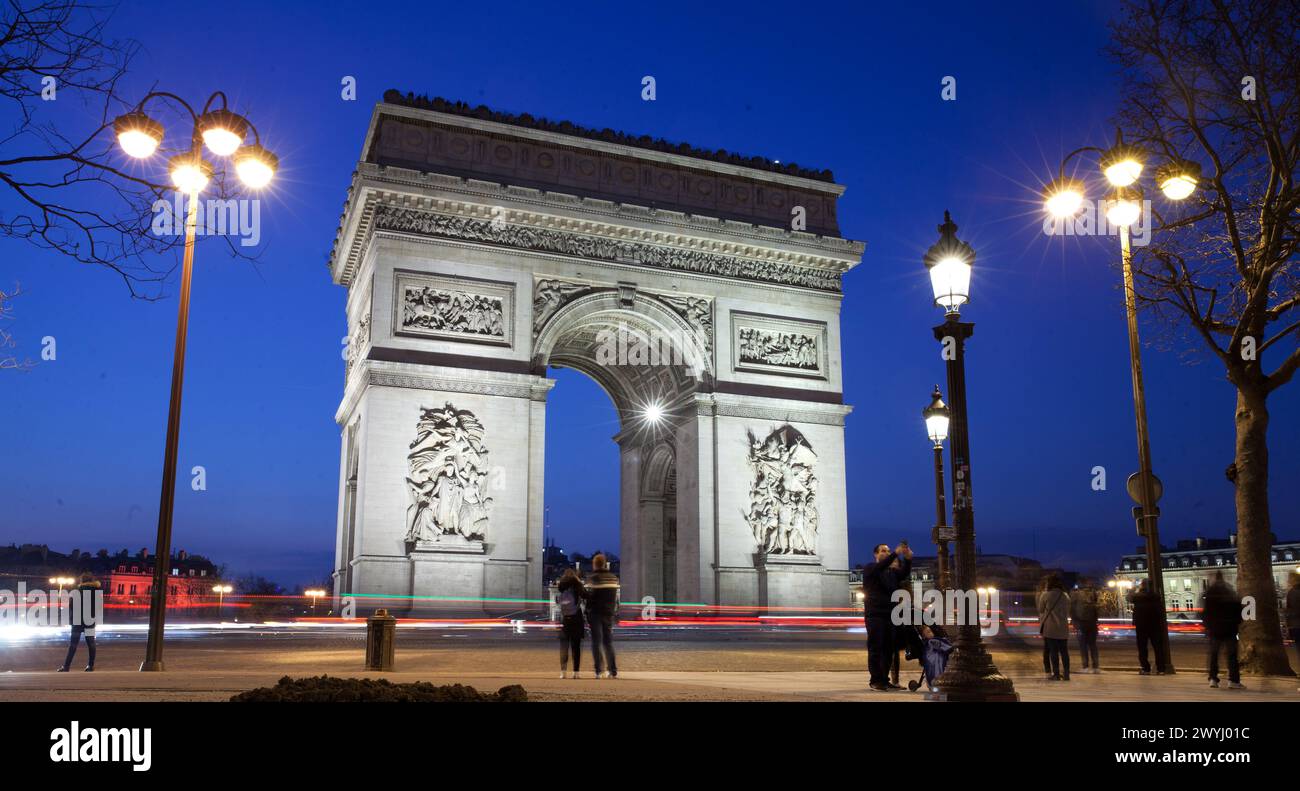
x=789 y=581
x=447 y=578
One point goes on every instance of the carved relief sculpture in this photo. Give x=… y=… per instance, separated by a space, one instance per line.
x=357 y=342
x=698 y=312
x=428 y=308
x=448 y=477
x=781 y=349
x=452 y=308
x=549 y=240
x=783 y=494
x=549 y=296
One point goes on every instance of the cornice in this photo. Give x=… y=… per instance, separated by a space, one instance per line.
x=816 y=262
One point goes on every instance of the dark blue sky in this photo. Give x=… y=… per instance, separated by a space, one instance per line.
x=855 y=90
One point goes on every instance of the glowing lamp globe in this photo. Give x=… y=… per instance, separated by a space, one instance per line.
x=138 y=134
x=949 y=263
x=1122 y=165
x=222 y=131
x=936 y=417
x=190 y=174
x=256 y=166
x=1123 y=212
x=1063 y=198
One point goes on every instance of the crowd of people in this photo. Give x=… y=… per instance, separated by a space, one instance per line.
x=1058 y=611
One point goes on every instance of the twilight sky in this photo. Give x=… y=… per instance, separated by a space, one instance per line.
x=856 y=91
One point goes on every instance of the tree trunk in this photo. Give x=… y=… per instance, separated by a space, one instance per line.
x=1261 y=638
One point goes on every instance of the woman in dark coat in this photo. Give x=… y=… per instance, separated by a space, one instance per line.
x=571 y=594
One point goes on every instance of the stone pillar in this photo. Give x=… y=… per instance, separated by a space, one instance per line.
x=697 y=534
x=629 y=552
x=651 y=530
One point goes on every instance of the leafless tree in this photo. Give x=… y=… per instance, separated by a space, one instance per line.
x=1217 y=83
x=8 y=360
x=74 y=195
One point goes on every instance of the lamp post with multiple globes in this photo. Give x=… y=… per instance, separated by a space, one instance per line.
x=971 y=674
x=223 y=133
x=1122 y=165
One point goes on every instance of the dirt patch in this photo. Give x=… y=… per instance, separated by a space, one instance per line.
x=327 y=689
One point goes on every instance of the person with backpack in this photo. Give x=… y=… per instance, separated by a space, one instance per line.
x=602 y=609
x=571 y=593
x=1054 y=624
x=85 y=613
x=1221 y=615
x=1083 y=614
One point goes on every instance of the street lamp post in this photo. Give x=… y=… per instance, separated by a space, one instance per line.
x=223 y=133
x=1122 y=166
x=221 y=591
x=937 y=417
x=971 y=674
x=314 y=594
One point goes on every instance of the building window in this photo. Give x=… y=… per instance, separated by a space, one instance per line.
x=1187 y=584
x=120 y=588
x=1191 y=605
x=132 y=590
x=135 y=569
x=175 y=572
x=1175 y=605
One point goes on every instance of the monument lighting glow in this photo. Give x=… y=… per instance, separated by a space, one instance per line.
x=654 y=413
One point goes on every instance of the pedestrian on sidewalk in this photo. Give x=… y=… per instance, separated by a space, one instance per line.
x=879 y=581
x=1146 y=620
x=1054 y=625
x=602 y=610
x=1221 y=616
x=1293 y=613
x=85 y=614
x=1084 y=616
x=571 y=595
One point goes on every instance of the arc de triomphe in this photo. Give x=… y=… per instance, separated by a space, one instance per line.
x=478 y=249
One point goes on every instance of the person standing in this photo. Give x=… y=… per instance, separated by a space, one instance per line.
x=1146 y=619
x=571 y=593
x=85 y=615
x=1293 y=613
x=1221 y=616
x=1054 y=624
x=602 y=608
x=879 y=581
x=1083 y=614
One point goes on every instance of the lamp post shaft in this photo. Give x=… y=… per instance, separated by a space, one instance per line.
x=971 y=674
x=1147 y=521
x=153 y=660
x=941 y=521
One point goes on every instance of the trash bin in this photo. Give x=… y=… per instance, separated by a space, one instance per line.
x=381 y=628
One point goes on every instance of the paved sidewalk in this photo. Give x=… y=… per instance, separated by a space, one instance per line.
x=845 y=686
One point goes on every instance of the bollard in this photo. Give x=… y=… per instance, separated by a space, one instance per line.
x=381 y=629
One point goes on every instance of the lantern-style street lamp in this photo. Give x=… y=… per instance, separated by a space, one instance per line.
x=971 y=674
x=937 y=417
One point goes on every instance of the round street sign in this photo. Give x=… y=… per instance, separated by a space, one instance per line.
x=1135 y=487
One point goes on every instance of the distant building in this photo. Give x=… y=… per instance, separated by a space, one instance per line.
x=1189 y=567
x=126 y=579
